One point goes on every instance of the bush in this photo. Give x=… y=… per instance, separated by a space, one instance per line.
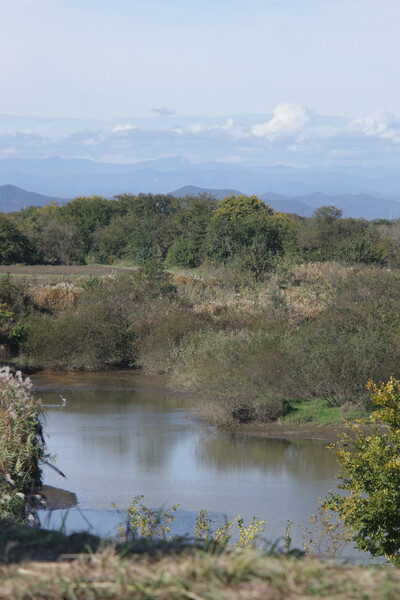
x=335 y=365
x=14 y=245
x=184 y=253
x=145 y=254
x=239 y=376
x=22 y=447
x=368 y=456
x=99 y=331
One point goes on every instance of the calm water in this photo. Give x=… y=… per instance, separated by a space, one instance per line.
x=122 y=434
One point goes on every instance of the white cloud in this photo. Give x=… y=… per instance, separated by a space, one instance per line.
x=228 y=125
x=292 y=135
x=118 y=128
x=287 y=119
x=381 y=124
x=196 y=128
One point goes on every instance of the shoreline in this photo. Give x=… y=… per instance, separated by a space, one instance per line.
x=160 y=382
x=277 y=430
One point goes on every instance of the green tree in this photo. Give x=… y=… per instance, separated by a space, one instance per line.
x=60 y=243
x=14 y=245
x=327 y=236
x=150 y=222
x=87 y=214
x=247 y=228
x=369 y=459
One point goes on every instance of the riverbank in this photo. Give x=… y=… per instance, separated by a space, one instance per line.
x=311 y=419
x=244 y=348
x=278 y=430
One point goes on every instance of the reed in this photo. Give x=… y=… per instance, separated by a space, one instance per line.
x=22 y=447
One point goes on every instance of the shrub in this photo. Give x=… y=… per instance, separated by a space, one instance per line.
x=239 y=376
x=99 y=331
x=22 y=447
x=184 y=253
x=368 y=456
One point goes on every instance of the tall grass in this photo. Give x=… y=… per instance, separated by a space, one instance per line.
x=22 y=446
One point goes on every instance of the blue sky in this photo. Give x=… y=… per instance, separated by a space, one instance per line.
x=120 y=59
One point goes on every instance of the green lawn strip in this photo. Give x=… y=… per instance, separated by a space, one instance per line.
x=318 y=411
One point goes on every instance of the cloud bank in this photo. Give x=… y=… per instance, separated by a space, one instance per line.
x=288 y=119
x=293 y=134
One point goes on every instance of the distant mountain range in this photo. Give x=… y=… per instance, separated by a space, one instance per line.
x=353 y=205
x=192 y=190
x=365 y=194
x=13 y=198
x=67 y=178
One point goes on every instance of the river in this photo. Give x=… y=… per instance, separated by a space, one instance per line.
x=122 y=434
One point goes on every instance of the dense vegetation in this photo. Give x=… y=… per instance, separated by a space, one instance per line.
x=239 y=231
x=22 y=447
x=319 y=330
x=368 y=455
x=271 y=308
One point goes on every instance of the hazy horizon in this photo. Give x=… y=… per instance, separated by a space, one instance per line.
x=255 y=82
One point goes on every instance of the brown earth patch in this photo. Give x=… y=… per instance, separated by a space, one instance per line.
x=45 y=273
x=56 y=498
x=312 y=431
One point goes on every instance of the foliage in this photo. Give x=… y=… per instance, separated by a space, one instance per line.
x=245 y=227
x=145 y=254
x=153 y=281
x=329 y=237
x=239 y=375
x=85 y=215
x=96 y=331
x=146 y=522
x=183 y=253
x=247 y=535
x=189 y=231
x=155 y=524
x=13 y=297
x=368 y=455
x=326 y=535
x=59 y=243
x=22 y=446
x=14 y=245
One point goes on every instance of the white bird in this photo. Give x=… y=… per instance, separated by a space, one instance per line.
x=63 y=400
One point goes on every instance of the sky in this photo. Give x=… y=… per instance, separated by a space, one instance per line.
x=305 y=74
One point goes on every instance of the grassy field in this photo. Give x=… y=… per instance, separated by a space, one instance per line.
x=43 y=565
x=195 y=575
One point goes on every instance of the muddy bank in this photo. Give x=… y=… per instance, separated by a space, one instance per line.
x=328 y=433
x=56 y=498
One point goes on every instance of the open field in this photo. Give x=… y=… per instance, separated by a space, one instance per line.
x=45 y=273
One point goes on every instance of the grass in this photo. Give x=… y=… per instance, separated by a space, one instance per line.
x=195 y=575
x=318 y=411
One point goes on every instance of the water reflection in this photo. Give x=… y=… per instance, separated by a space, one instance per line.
x=303 y=460
x=119 y=436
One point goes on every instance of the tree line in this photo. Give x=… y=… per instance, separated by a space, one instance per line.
x=240 y=231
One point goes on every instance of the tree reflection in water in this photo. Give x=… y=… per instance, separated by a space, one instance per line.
x=306 y=460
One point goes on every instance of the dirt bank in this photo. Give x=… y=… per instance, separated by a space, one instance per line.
x=310 y=431
x=56 y=498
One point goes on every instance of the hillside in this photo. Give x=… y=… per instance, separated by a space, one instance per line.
x=13 y=198
x=67 y=178
x=192 y=190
